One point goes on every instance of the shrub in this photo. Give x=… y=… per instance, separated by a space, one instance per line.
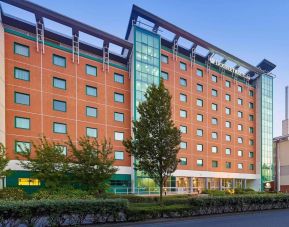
x=59 y=212
x=61 y=194
x=12 y=194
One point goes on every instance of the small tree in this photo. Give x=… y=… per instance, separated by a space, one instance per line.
x=93 y=164
x=49 y=164
x=3 y=161
x=156 y=140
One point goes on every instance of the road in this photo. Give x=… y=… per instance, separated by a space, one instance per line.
x=273 y=218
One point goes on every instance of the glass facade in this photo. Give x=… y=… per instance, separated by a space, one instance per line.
x=147 y=62
x=266 y=146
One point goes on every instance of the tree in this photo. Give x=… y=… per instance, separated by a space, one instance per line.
x=156 y=140
x=49 y=164
x=92 y=163
x=3 y=161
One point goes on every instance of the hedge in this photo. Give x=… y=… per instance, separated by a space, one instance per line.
x=210 y=205
x=61 y=212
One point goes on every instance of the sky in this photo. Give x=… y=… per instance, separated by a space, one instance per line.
x=249 y=29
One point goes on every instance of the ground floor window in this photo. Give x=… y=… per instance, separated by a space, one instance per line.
x=28 y=182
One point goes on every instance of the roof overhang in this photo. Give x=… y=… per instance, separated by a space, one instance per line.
x=179 y=32
x=76 y=26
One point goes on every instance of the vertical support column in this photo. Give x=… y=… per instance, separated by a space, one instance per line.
x=206 y=183
x=234 y=183
x=220 y=185
x=245 y=183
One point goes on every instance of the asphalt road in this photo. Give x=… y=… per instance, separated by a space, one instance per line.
x=273 y=218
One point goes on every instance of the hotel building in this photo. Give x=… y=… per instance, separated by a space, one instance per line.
x=57 y=85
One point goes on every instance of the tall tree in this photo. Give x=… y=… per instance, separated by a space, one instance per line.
x=3 y=161
x=48 y=163
x=92 y=163
x=156 y=139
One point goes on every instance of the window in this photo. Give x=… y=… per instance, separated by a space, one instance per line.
x=240 y=165
x=183 y=66
x=199 y=132
x=183 y=113
x=214 y=121
x=59 y=105
x=251 y=154
x=214 y=106
x=183 y=161
x=91 y=70
x=228 y=138
x=228 y=124
x=228 y=111
x=119 y=136
x=165 y=75
x=164 y=59
x=227 y=83
x=199 y=102
x=91 y=91
x=240 y=88
x=214 y=149
x=240 y=101
x=183 y=129
x=251 y=166
x=59 y=60
x=240 y=127
x=251 y=130
x=118 y=97
x=118 y=78
x=228 y=97
x=62 y=149
x=21 y=98
x=183 y=97
x=251 y=93
x=59 y=128
x=28 y=182
x=91 y=111
x=251 y=105
x=22 y=123
x=199 y=88
x=59 y=83
x=228 y=151
x=214 y=93
x=183 y=145
x=21 y=74
x=251 y=142
x=240 y=114
x=214 y=135
x=199 y=147
x=240 y=153
x=118 y=116
x=200 y=162
x=240 y=140
x=183 y=82
x=228 y=165
x=214 y=164
x=91 y=132
x=118 y=155
x=199 y=117
x=21 y=49
x=251 y=118
x=214 y=78
x=199 y=72
x=21 y=146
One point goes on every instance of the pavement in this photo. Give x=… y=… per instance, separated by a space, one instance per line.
x=271 y=218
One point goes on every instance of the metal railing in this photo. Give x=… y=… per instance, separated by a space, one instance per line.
x=156 y=190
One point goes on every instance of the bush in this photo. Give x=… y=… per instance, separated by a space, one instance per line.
x=12 y=194
x=60 y=212
x=237 y=191
x=62 y=194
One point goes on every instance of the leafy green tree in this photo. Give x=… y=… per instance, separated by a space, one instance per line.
x=3 y=161
x=47 y=163
x=92 y=163
x=156 y=139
